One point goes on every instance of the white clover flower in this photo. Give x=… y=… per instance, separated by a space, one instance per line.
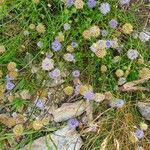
x=26 y=33
x=40 y=44
x=132 y=54
x=144 y=36
x=67 y=26
x=47 y=64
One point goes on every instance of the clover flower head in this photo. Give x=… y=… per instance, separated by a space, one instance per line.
x=109 y=43
x=39 y=104
x=10 y=85
x=132 y=54
x=104 y=8
x=26 y=33
x=69 y=57
x=76 y=73
x=78 y=4
x=144 y=36
x=113 y=23
x=47 y=64
x=67 y=26
x=55 y=73
x=91 y=3
x=73 y=123
x=69 y=3
x=56 y=46
x=89 y=95
x=139 y=133
x=40 y=44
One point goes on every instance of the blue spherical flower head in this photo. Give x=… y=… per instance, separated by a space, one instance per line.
x=109 y=43
x=76 y=73
x=89 y=95
x=56 y=45
x=91 y=3
x=139 y=133
x=39 y=104
x=113 y=23
x=104 y=8
x=73 y=123
x=10 y=85
x=55 y=73
x=69 y=3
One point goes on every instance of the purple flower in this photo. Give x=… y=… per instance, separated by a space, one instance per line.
x=39 y=104
x=104 y=8
x=73 y=123
x=89 y=95
x=113 y=23
x=117 y=103
x=55 y=73
x=74 y=44
x=139 y=133
x=69 y=57
x=109 y=43
x=69 y=3
x=91 y=3
x=124 y=2
x=9 y=85
x=76 y=73
x=56 y=45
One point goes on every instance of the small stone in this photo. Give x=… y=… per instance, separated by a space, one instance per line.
x=69 y=110
x=62 y=139
x=144 y=109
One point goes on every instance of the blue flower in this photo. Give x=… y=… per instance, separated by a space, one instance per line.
x=104 y=8
x=91 y=3
x=76 y=73
x=39 y=104
x=89 y=95
x=10 y=85
x=69 y=3
x=73 y=123
x=109 y=43
x=139 y=133
x=55 y=73
x=56 y=45
x=113 y=23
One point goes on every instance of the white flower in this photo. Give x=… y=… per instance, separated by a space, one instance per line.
x=47 y=64
x=132 y=54
x=144 y=36
x=40 y=44
x=67 y=26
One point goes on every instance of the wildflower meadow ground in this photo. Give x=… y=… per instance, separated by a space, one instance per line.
x=54 y=53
